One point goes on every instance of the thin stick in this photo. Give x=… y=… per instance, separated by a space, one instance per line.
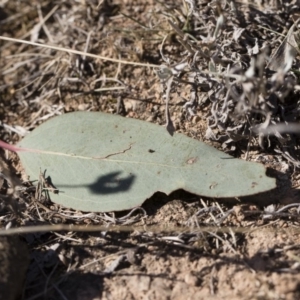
x=126 y=228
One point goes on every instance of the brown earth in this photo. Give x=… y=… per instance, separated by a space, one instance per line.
x=179 y=246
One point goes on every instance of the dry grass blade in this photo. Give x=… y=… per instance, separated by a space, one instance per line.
x=79 y=52
x=287 y=51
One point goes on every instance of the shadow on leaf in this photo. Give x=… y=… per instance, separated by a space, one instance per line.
x=107 y=184
x=111 y=183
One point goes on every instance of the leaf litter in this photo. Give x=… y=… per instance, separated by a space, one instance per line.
x=222 y=92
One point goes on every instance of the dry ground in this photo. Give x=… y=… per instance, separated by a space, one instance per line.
x=177 y=246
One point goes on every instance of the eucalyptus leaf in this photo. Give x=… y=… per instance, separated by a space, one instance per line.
x=102 y=162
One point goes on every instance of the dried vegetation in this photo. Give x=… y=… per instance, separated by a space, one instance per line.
x=210 y=78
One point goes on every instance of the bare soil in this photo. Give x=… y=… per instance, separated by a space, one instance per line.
x=177 y=246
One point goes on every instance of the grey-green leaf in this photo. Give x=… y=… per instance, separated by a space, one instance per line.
x=102 y=162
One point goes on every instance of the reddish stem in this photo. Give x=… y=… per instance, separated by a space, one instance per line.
x=10 y=147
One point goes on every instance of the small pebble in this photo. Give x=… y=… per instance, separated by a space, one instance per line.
x=191 y=279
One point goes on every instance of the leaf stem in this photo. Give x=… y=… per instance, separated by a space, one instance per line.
x=11 y=147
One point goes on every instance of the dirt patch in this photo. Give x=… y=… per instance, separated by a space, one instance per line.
x=223 y=91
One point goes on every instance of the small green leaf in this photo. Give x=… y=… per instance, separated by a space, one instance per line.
x=102 y=162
